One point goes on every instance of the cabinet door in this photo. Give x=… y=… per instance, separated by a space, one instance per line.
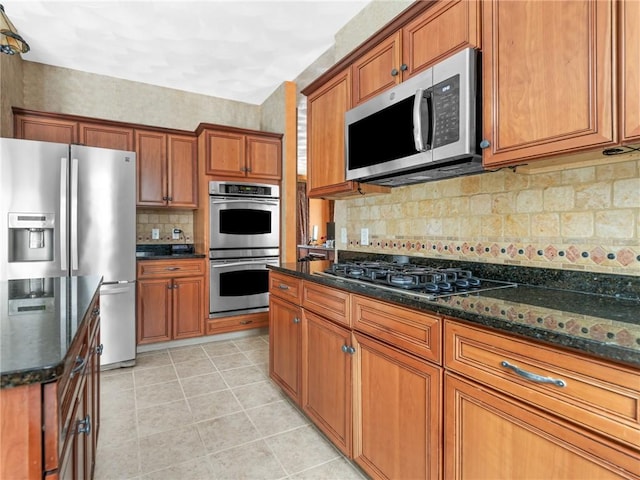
x=154 y=310
x=106 y=136
x=151 y=166
x=188 y=307
x=183 y=171
x=398 y=415
x=444 y=29
x=630 y=70
x=326 y=378
x=30 y=127
x=285 y=346
x=264 y=157
x=325 y=127
x=225 y=154
x=488 y=435
x=547 y=78
x=377 y=70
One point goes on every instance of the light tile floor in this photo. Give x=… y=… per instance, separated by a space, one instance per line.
x=208 y=412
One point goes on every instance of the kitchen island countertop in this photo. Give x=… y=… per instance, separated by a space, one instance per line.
x=37 y=326
x=600 y=325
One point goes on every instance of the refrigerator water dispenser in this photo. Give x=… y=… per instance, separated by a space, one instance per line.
x=31 y=237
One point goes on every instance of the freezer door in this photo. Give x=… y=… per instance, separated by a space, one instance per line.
x=33 y=209
x=103 y=213
x=118 y=323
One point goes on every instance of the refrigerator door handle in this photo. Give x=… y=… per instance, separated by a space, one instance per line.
x=63 y=214
x=74 y=214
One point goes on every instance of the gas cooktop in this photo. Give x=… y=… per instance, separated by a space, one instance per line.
x=418 y=280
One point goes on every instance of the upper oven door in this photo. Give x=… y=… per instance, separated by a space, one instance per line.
x=244 y=223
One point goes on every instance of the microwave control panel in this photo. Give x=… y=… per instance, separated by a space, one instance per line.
x=446 y=112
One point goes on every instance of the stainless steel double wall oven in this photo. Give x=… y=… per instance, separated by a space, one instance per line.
x=244 y=222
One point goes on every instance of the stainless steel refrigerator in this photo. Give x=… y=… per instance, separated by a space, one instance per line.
x=70 y=210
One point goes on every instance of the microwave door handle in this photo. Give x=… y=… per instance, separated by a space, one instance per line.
x=420 y=98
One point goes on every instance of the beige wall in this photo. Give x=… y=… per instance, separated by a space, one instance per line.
x=11 y=92
x=62 y=90
x=574 y=219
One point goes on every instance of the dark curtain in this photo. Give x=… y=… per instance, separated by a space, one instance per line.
x=302 y=230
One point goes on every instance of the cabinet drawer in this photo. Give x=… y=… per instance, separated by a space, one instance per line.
x=170 y=268
x=416 y=332
x=598 y=395
x=326 y=301
x=285 y=286
x=237 y=323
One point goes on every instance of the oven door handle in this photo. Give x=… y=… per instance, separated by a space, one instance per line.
x=259 y=202
x=238 y=264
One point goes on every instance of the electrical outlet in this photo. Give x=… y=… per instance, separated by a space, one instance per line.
x=343 y=235
x=175 y=234
x=155 y=234
x=364 y=236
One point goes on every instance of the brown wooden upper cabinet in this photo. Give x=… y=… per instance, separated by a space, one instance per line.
x=630 y=70
x=242 y=155
x=167 y=169
x=29 y=126
x=548 y=78
x=445 y=28
x=105 y=136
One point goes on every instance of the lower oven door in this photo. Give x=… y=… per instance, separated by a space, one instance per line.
x=239 y=286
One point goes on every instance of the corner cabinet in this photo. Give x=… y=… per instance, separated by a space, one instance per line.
x=167 y=169
x=170 y=299
x=326 y=107
x=548 y=78
x=237 y=153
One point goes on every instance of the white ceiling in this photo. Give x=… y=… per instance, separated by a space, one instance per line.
x=233 y=49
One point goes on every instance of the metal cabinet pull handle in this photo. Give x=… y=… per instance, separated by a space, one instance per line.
x=282 y=286
x=348 y=349
x=246 y=322
x=79 y=365
x=394 y=72
x=532 y=376
x=84 y=425
x=172 y=269
x=296 y=320
x=99 y=349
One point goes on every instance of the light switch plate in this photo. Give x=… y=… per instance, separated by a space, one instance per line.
x=343 y=235
x=364 y=236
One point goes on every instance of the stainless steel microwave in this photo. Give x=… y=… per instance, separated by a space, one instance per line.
x=423 y=129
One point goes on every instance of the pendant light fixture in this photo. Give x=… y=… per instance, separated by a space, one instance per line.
x=10 y=42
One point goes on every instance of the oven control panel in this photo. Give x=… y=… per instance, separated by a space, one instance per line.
x=241 y=189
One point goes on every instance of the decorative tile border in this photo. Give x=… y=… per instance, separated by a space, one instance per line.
x=583 y=326
x=602 y=258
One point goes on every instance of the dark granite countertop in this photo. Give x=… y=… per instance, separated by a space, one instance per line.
x=39 y=319
x=601 y=325
x=164 y=251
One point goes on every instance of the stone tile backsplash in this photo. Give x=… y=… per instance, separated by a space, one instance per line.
x=165 y=221
x=583 y=219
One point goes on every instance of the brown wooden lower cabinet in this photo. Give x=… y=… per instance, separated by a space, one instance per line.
x=50 y=430
x=377 y=391
x=397 y=412
x=326 y=378
x=285 y=346
x=170 y=299
x=488 y=435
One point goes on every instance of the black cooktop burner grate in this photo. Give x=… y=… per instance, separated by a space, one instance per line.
x=431 y=281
